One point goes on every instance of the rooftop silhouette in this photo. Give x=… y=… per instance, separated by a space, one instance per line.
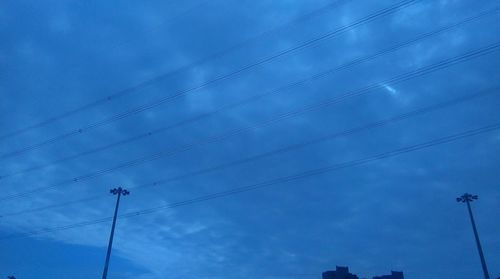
x=342 y=272
x=394 y=275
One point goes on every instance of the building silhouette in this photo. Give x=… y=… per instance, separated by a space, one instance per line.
x=394 y=275
x=340 y=272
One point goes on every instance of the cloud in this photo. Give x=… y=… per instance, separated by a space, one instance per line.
x=391 y=90
x=397 y=213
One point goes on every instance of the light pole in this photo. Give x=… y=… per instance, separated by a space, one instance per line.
x=119 y=192
x=468 y=198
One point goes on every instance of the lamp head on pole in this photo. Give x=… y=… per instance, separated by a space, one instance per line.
x=467 y=198
x=119 y=190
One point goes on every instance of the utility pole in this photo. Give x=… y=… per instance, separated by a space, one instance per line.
x=119 y=192
x=468 y=198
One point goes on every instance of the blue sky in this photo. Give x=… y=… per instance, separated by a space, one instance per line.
x=319 y=70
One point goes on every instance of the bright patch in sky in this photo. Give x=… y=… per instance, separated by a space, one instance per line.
x=391 y=90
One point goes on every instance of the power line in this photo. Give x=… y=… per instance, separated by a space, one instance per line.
x=33 y=210
x=171 y=73
x=319 y=105
x=371 y=125
x=259 y=96
x=151 y=105
x=276 y=181
x=94 y=103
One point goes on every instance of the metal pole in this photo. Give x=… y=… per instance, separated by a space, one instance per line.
x=478 y=243
x=117 y=191
x=468 y=198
